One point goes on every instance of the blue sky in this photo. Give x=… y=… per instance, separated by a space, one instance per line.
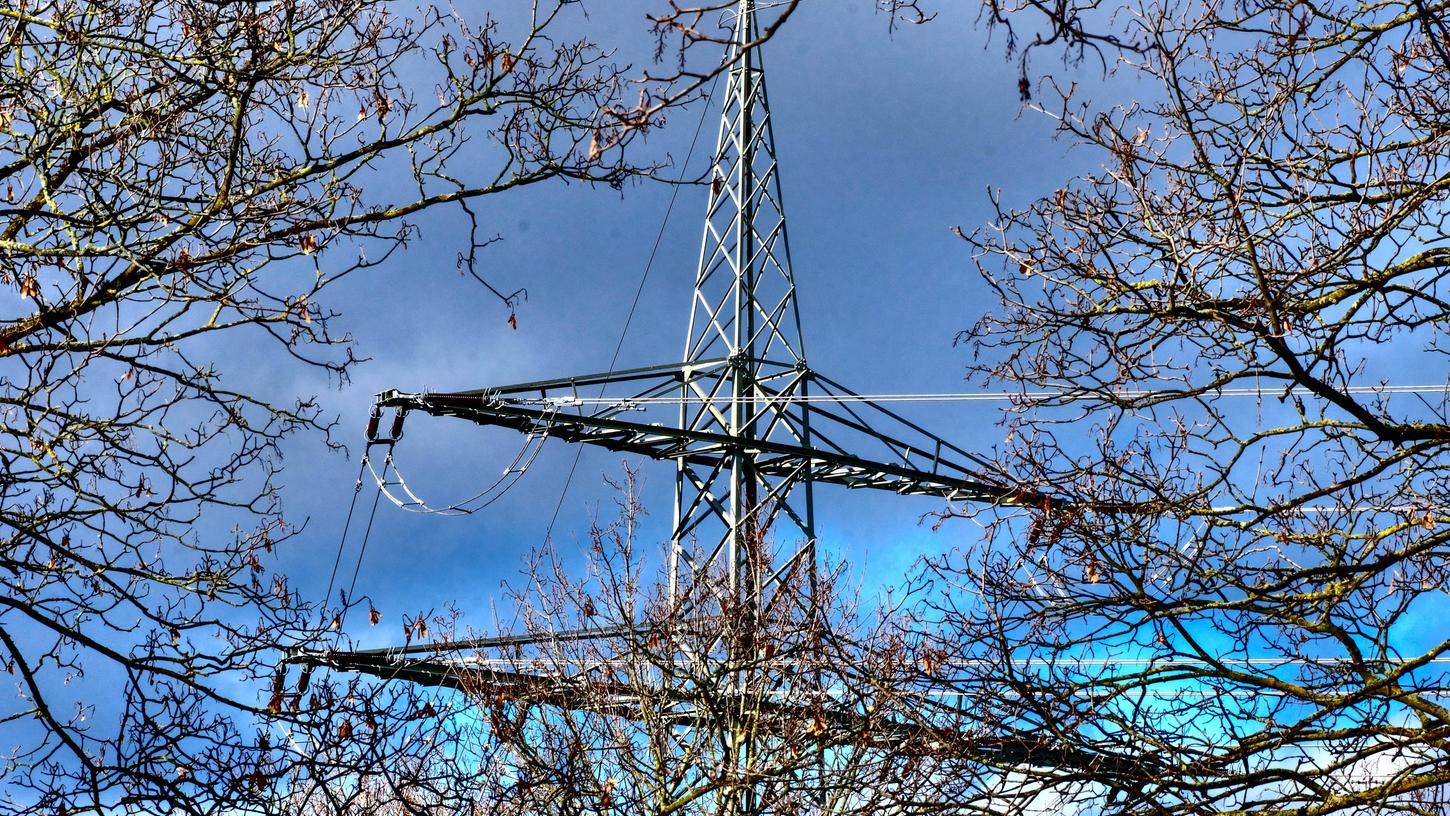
x=885 y=142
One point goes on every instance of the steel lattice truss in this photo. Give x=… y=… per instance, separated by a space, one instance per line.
x=743 y=353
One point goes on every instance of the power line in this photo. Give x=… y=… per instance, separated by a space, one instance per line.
x=634 y=304
x=606 y=663
x=973 y=396
x=347 y=525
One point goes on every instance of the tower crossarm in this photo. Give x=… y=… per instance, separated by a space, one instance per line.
x=624 y=424
x=826 y=725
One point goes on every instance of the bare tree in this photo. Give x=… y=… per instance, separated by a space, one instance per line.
x=177 y=175
x=1239 y=572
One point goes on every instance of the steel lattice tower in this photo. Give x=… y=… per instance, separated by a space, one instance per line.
x=745 y=361
x=751 y=428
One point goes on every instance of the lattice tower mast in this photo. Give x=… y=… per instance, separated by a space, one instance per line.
x=751 y=430
x=750 y=427
x=744 y=313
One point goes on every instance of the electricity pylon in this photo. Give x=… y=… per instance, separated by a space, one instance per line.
x=745 y=362
x=750 y=427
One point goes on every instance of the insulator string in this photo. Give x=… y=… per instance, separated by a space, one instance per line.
x=411 y=502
